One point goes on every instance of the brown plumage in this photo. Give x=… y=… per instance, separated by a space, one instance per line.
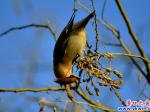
x=68 y=47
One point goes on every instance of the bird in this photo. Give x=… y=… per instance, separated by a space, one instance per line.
x=69 y=46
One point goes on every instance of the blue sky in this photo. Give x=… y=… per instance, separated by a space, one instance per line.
x=26 y=55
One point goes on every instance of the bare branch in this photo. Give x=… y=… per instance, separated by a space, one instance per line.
x=17 y=90
x=69 y=94
x=117 y=34
x=119 y=97
x=131 y=55
x=96 y=104
x=96 y=29
x=134 y=37
x=28 y=26
x=91 y=103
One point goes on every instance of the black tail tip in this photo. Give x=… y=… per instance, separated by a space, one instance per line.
x=93 y=13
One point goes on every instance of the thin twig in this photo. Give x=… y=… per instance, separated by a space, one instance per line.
x=91 y=103
x=134 y=37
x=117 y=34
x=17 y=90
x=96 y=104
x=77 y=102
x=131 y=55
x=119 y=97
x=28 y=26
x=43 y=103
x=84 y=7
x=103 y=9
x=96 y=29
x=69 y=94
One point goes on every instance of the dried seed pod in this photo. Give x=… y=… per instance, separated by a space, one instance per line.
x=97 y=91
x=111 y=55
x=104 y=84
x=118 y=82
x=88 y=79
x=119 y=97
x=95 y=66
x=108 y=55
x=106 y=73
x=92 y=83
x=108 y=70
x=42 y=108
x=116 y=72
x=115 y=86
x=84 y=80
x=89 y=91
x=108 y=79
x=102 y=77
x=87 y=71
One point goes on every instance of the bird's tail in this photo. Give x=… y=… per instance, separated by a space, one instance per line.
x=84 y=21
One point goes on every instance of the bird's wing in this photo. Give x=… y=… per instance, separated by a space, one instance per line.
x=62 y=41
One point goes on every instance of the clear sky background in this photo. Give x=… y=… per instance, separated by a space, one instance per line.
x=26 y=55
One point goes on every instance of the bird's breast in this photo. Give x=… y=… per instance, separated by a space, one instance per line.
x=77 y=41
x=76 y=44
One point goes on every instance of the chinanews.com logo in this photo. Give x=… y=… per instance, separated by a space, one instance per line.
x=136 y=105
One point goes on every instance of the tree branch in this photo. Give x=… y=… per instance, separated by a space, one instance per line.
x=91 y=103
x=96 y=27
x=131 y=55
x=17 y=90
x=134 y=37
x=96 y=104
x=28 y=26
x=117 y=34
x=69 y=94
